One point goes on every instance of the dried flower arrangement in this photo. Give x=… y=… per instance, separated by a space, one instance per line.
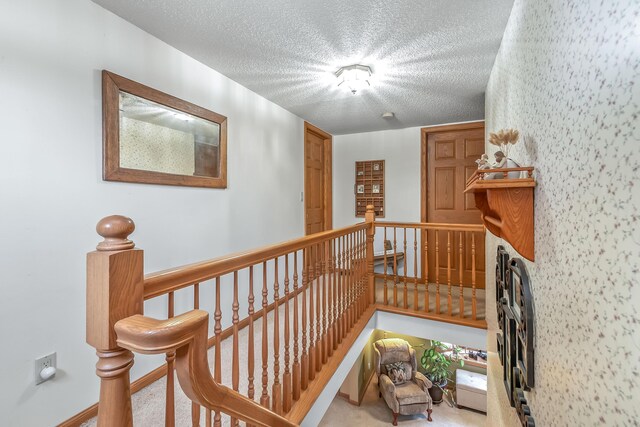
x=503 y=139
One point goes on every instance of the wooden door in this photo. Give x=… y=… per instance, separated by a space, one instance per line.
x=451 y=152
x=317 y=180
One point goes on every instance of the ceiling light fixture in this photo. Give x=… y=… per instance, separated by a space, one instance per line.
x=355 y=77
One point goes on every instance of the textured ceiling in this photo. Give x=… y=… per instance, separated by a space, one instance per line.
x=431 y=59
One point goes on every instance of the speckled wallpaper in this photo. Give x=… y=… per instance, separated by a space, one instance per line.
x=566 y=76
x=150 y=147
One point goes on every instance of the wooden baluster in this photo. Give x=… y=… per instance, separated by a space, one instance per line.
x=318 y=343
x=235 y=363
x=304 y=367
x=250 y=339
x=386 y=266
x=264 y=398
x=415 y=269
x=170 y=410
x=195 y=408
x=355 y=265
x=449 y=296
x=296 y=360
x=347 y=284
x=286 y=377
x=312 y=341
x=437 y=273
x=362 y=264
x=359 y=275
x=460 y=275
x=473 y=276
x=217 y=330
x=353 y=279
x=362 y=260
x=324 y=345
x=395 y=268
x=336 y=297
x=341 y=289
x=329 y=307
x=405 y=296
x=276 y=394
x=426 y=270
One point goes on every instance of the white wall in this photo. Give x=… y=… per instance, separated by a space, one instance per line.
x=400 y=149
x=52 y=193
x=571 y=88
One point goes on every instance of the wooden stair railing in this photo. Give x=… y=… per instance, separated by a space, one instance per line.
x=186 y=335
x=312 y=296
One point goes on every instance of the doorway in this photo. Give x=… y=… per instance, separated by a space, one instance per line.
x=448 y=160
x=317 y=179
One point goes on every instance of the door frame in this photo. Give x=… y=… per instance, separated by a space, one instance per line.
x=424 y=168
x=327 y=196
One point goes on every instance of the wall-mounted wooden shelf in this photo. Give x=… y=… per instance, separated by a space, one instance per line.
x=505 y=201
x=369 y=187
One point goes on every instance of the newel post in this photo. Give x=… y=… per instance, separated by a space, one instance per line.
x=114 y=292
x=370 y=218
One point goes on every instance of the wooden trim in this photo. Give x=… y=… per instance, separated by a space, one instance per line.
x=361 y=393
x=432 y=226
x=366 y=386
x=454 y=126
x=347 y=397
x=424 y=166
x=112 y=84
x=327 y=196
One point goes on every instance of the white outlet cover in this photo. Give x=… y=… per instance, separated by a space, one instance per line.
x=44 y=362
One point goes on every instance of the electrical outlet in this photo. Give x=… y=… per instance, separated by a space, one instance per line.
x=45 y=362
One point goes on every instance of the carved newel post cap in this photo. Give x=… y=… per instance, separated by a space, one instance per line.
x=369 y=208
x=115 y=229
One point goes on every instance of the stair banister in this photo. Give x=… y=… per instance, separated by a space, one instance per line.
x=114 y=292
x=186 y=334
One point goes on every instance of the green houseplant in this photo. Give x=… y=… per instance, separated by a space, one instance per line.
x=437 y=361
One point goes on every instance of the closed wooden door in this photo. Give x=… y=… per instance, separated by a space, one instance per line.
x=450 y=162
x=317 y=180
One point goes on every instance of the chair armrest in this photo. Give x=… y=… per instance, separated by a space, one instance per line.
x=388 y=391
x=385 y=383
x=423 y=381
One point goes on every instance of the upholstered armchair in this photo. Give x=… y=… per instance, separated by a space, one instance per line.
x=404 y=389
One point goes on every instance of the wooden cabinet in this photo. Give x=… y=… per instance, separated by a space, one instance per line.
x=369 y=187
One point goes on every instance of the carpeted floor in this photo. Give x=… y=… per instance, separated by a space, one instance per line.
x=444 y=292
x=374 y=412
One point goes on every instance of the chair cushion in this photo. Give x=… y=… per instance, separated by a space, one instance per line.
x=393 y=350
x=410 y=393
x=398 y=372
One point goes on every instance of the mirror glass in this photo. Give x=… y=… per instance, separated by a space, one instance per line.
x=157 y=138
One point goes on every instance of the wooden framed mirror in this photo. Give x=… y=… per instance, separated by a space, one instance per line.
x=151 y=137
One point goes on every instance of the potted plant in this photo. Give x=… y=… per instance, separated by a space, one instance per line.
x=436 y=362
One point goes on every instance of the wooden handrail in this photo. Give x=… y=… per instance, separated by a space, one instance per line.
x=186 y=334
x=165 y=281
x=432 y=226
